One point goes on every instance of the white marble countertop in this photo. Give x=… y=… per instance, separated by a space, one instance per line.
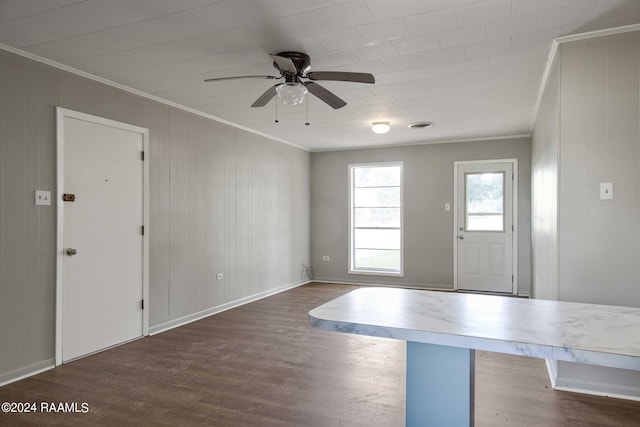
x=587 y=333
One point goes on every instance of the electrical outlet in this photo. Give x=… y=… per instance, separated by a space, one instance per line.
x=219 y=276
x=325 y=258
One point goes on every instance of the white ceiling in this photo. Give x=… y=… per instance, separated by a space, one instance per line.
x=473 y=67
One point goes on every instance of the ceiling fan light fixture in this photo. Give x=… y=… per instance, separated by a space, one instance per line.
x=380 y=127
x=291 y=93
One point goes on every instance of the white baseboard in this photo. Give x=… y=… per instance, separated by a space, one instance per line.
x=427 y=287
x=598 y=389
x=27 y=371
x=577 y=385
x=171 y=324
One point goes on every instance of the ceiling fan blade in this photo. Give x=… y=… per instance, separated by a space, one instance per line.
x=265 y=97
x=326 y=96
x=242 y=77
x=343 y=76
x=285 y=64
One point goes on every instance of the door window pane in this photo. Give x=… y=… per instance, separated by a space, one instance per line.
x=484 y=201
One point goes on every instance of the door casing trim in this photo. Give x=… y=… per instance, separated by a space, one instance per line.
x=61 y=114
x=514 y=234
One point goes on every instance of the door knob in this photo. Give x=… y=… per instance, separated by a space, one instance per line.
x=461 y=228
x=71 y=251
x=461 y=237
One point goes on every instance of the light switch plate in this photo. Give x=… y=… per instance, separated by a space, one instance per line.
x=606 y=191
x=43 y=198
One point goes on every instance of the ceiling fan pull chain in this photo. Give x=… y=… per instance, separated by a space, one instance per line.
x=307 y=103
x=277 y=111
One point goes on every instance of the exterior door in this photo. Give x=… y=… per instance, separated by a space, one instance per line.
x=484 y=221
x=101 y=201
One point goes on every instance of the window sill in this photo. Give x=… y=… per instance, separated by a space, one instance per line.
x=376 y=273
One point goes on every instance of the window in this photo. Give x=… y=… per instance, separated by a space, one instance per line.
x=484 y=194
x=375 y=215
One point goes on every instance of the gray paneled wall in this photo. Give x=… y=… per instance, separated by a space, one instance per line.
x=222 y=201
x=599 y=142
x=27 y=233
x=599 y=245
x=587 y=133
x=544 y=191
x=428 y=228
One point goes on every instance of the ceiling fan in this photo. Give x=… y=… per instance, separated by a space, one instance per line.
x=295 y=66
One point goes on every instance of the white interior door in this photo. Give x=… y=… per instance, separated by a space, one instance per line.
x=484 y=234
x=102 y=246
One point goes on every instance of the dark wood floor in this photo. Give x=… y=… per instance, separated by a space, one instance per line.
x=263 y=365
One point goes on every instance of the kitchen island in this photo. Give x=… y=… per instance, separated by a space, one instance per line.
x=442 y=330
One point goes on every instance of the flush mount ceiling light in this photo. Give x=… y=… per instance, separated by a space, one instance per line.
x=420 y=125
x=291 y=93
x=380 y=127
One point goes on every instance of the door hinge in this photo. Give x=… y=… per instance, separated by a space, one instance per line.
x=142 y=156
x=142 y=304
x=142 y=229
x=513 y=228
x=511 y=279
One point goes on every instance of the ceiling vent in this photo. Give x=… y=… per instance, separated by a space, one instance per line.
x=420 y=125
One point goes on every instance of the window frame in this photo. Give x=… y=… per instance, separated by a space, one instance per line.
x=352 y=229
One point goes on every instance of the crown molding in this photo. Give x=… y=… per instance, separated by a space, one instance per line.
x=413 y=144
x=554 y=51
x=125 y=88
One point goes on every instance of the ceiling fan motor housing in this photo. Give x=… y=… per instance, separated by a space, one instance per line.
x=301 y=61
